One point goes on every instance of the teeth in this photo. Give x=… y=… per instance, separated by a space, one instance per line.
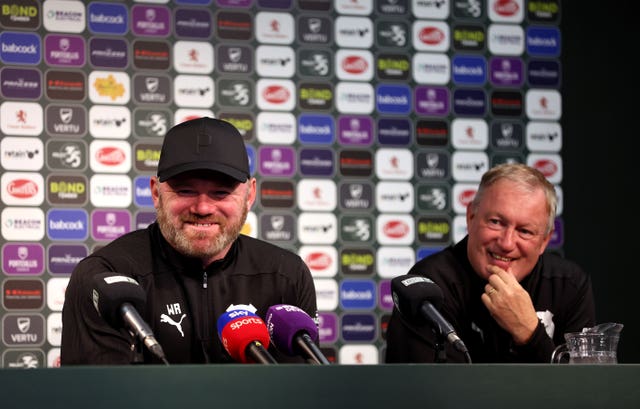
x=497 y=257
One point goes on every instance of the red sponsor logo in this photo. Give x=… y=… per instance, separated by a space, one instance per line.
x=110 y=156
x=276 y=94
x=395 y=229
x=546 y=167
x=354 y=65
x=318 y=261
x=22 y=188
x=431 y=35
x=466 y=196
x=506 y=8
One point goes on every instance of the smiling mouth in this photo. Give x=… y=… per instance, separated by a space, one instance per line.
x=500 y=258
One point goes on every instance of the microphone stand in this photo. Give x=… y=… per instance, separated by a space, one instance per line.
x=441 y=354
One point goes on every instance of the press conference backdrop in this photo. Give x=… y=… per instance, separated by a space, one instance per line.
x=367 y=124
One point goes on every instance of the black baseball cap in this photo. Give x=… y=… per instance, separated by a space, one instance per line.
x=203 y=143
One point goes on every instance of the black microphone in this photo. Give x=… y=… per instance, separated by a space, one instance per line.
x=419 y=298
x=294 y=332
x=118 y=299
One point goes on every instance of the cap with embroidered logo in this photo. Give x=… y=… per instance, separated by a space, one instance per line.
x=203 y=143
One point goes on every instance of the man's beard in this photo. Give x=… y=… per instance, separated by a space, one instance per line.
x=183 y=243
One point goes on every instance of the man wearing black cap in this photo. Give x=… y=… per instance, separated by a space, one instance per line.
x=193 y=263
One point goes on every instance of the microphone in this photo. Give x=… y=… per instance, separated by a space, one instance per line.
x=419 y=298
x=245 y=337
x=118 y=299
x=294 y=332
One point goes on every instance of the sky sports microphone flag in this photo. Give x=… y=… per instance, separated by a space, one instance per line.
x=294 y=332
x=245 y=336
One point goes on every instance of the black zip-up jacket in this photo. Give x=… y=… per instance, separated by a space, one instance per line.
x=184 y=301
x=560 y=290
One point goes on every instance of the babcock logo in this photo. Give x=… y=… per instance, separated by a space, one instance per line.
x=20 y=48
x=67 y=224
x=107 y=18
x=357 y=294
x=393 y=99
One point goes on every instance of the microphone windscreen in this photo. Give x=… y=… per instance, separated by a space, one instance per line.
x=410 y=291
x=284 y=322
x=111 y=290
x=237 y=331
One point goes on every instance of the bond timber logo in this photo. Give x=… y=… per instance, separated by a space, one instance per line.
x=393 y=66
x=434 y=230
x=67 y=189
x=467 y=37
x=357 y=261
x=315 y=96
x=22 y=14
